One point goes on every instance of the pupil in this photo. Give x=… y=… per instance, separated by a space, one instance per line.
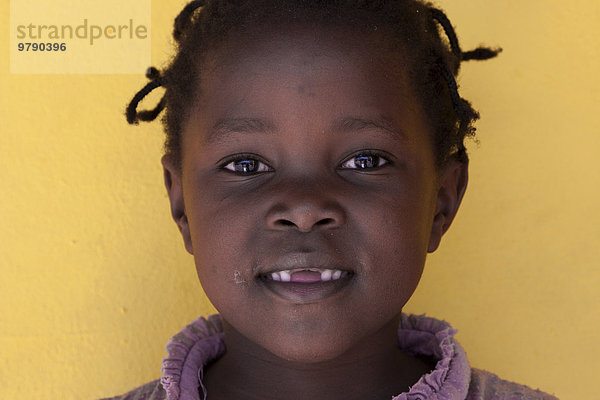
x=365 y=161
x=245 y=166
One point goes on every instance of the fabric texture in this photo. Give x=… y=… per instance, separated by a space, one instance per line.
x=452 y=378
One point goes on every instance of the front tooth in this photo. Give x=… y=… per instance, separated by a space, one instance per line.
x=326 y=275
x=275 y=276
x=285 y=276
x=337 y=274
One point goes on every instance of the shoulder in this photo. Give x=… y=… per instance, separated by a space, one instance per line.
x=487 y=386
x=150 y=391
x=188 y=352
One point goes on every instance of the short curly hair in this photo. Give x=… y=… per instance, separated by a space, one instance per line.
x=412 y=24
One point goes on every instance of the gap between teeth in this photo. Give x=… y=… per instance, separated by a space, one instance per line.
x=326 y=274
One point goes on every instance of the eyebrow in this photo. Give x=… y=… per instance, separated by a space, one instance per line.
x=228 y=126
x=381 y=124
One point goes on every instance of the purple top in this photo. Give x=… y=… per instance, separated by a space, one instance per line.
x=452 y=379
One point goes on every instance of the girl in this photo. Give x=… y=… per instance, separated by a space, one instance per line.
x=314 y=156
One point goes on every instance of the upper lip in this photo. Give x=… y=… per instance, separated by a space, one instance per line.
x=292 y=261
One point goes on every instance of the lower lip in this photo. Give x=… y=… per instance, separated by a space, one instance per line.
x=306 y=292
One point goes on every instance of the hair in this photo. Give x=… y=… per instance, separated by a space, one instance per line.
x=412 y=24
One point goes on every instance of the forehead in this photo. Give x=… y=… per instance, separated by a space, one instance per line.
x=303 y=52
x=306 y=75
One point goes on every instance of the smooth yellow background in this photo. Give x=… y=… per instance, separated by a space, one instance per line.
x=94 y=278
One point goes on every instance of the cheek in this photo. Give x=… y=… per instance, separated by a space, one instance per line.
x=399 y=218
x=221 y=229
x=216 y=239
x=394 y=231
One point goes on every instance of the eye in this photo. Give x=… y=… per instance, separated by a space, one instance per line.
x=365 y=161
x=245 y=165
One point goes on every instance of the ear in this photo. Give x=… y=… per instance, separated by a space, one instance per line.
x=175 y=191
x=452 y=185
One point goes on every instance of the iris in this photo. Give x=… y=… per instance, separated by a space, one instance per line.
x=366 y=161
x=245 y=166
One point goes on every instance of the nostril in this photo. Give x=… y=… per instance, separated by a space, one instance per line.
x=282 y=222
x=285 y=222
x=325 y=221
x=304 y=217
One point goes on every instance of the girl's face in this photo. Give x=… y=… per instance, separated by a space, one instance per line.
x=307 y=157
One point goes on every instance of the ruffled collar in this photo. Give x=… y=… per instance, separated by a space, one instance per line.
x=188 y=352
x=421 y=335
x=202 y=341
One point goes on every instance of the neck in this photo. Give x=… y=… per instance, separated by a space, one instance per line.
x=374 y=368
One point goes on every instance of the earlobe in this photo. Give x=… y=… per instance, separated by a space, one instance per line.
x=174 y=187
x=452 y=187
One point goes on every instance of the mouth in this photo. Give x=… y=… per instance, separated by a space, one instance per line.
x=306 y=285
x=306 y=275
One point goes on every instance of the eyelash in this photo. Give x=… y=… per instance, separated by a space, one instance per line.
x=382 y=160
x=264 y=167
x=244 y=157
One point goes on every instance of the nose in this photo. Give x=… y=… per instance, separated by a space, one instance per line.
x=305 y=209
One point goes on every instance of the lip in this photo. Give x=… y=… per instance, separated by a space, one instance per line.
x=304 y=292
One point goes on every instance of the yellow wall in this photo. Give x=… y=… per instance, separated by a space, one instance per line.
x=94 y=279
